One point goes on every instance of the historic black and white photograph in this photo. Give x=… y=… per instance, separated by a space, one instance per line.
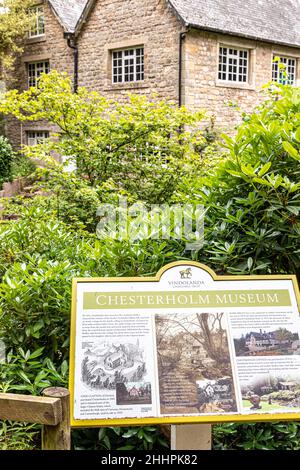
x=194 y=368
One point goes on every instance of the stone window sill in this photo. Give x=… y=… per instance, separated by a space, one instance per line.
x=36 y=39
x=240 y=86
x=126 y=86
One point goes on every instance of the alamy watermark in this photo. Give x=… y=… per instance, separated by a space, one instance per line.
x=2 y=352
x=137 y=222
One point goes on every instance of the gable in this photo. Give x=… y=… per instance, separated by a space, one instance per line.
x=68 y=12
x=266 y=20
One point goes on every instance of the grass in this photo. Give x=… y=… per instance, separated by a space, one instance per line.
x=265 y=406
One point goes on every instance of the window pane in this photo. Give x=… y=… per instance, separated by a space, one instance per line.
x=284 y=70
x=35 y=70
x=36 y=137
x=38 y=21
x=130 y=66
x=233 y=64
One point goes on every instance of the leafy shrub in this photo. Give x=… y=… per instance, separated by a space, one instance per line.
x=254 y=436
x=6 y=158
x=18 y=436
x=22 y=166
x=252 y=226
x=135 y=438
x=144 y=146
x=30 y=372
x=252 y=198
x=284 y=395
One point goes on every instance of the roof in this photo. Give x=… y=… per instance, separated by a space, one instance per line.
x=262 y=335
x=276 y=21
x=115 y=356
x=287 y=383
x=68 y=12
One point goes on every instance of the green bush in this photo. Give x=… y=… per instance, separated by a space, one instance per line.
x=22 y=166
x=6 y=159
x=144 y=146
x=257 y=436
x=252 y=200
x=284 y=395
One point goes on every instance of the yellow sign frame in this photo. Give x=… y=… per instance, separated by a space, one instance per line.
x=175 y=419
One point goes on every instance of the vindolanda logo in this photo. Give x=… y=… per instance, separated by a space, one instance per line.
x=186 y=273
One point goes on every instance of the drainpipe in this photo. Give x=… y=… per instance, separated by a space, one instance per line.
x=71 y=41
x=182 y=37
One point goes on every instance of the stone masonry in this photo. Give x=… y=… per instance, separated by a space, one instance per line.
x=155 y=25
x=116 y=24
x=53 y=47
x=203 y=90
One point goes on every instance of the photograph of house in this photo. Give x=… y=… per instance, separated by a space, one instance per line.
x=213 y=394
x=133 y=393
x=194 y=367
x=272 y=392
x=107 y=364
x=280 y=341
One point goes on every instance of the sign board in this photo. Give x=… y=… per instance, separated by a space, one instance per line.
x=186 y=346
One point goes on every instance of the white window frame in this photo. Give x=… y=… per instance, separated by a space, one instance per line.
x=224 y=66
x=39 y=67
x=284 y=59
x=36 y=137
x=122 y=56
x=38 y=21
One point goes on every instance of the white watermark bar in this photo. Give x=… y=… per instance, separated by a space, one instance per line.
x=138 y=222
x=2 y=352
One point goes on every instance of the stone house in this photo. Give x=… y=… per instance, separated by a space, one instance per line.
x=116 y=359
x=206 y=54
x=133 y=392
x=262 y=340
x=48 y=46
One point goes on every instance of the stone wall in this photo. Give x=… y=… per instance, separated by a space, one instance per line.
x=116 y=24
x=53 y=47
x=203 y=90
x=14 y=188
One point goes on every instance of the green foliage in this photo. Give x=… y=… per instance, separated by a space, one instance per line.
x=144 y=146
x=254 y=436
x=252 y=198
x=252 y=226
x=29 y=372
x=6 y=159
x=136 y=438
x=18 y=436
x=14 y=24
x=21 y=166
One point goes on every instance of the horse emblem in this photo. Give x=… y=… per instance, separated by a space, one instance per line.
x=186 y=273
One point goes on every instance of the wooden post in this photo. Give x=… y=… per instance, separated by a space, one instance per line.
x=58 y=437
x=191 y=437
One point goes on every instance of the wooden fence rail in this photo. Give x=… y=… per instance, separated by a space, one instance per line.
x=52 y=411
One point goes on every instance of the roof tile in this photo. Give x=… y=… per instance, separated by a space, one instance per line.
x=68 y=12
x=276 y=21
